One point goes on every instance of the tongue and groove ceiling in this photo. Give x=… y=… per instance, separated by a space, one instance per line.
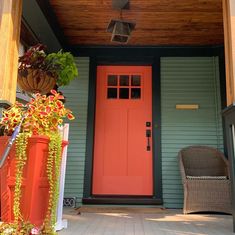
x=158 y=22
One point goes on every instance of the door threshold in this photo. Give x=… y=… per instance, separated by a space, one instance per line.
x=123 y=200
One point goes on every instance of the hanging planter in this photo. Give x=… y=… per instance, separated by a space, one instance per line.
x=39 y=72
x=36 y=81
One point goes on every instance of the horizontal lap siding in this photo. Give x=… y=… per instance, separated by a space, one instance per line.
x=187 y=81
x=77 y=100
x=183 y=81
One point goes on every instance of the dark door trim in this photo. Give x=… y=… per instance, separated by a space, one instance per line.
x=156 y=117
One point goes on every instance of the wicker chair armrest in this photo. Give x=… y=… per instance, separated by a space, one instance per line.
x=181 y=165
x=225 y=160
x=227 y=166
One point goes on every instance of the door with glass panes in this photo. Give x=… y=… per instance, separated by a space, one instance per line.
x=122 y=162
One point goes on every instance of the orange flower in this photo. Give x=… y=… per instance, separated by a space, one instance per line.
x=59 y=104
x=32 y=107
x=51 y=98
x=48 y=109
x=60 y=97
x=70 y=116
x=19 y=104
x=43 y=113
x=53 y=92
x=54 y=121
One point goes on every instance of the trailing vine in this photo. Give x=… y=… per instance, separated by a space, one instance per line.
x=21 y=158
x=53 y=172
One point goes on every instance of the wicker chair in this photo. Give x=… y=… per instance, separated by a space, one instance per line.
x=206 y=180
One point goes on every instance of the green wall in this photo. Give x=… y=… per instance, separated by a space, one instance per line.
x=183 y=81
x=187 y=81
x=76 y=99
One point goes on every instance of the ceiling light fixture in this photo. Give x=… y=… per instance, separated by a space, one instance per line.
x=121 y=29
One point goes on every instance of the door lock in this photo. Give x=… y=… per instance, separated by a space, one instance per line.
x=148 y=135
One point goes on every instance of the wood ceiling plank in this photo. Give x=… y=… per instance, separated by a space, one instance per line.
x=53 y=21
x=144 y=41
x=153 y=18
x=191 y=21
x=162 y=26
x=142 y=33
x=150 y=5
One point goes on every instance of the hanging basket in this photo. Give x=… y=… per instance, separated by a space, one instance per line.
x=36 y=81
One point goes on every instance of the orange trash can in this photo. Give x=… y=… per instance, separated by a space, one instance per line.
x=35 y=186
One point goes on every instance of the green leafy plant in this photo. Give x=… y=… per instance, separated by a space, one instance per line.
x=42 y=115
x=64 y=65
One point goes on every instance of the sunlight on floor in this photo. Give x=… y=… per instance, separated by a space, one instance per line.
x=120 y=215
x=178 y=218
x=171 y=222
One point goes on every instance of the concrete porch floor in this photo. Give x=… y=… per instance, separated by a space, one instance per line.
x=167 y=222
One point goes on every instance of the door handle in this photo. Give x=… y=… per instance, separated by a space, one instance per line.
x=148 y=135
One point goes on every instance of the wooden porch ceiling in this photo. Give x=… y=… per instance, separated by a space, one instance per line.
x=158 y=22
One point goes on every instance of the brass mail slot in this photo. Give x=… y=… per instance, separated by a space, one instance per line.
x=187 y=106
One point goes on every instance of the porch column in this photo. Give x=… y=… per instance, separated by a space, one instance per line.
x=229 y=112
x=10 y=19
x=229 y=43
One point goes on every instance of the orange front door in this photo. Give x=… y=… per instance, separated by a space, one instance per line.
x=123 y=131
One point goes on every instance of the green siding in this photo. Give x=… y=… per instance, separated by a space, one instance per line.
x=77 y=99
x=187 y=81
x=183 y=81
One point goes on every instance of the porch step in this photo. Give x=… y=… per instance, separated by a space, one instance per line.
x=120 y=209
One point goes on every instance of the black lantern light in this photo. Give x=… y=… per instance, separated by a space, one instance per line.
x=121 y=30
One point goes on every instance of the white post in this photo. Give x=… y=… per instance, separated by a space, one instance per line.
x=60 y=224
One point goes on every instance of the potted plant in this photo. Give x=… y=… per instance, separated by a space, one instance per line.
x=31 y=172
x=39 y=72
